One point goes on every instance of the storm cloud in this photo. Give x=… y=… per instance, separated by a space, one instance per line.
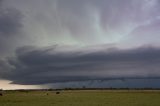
x=79 y=40
x=10 y=28
x=74 y=22
x=34 y=65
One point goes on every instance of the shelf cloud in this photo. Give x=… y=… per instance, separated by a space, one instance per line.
x=53 y=65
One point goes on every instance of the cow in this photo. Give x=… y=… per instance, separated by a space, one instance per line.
x=57 y=92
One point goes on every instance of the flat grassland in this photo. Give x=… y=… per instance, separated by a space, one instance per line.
x=82 y=98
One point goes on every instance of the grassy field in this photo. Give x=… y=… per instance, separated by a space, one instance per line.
x=81 y=98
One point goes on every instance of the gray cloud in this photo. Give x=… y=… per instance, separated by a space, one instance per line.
x=83 y=18
x=74 y=21
x=145 y=33
x=10 y=22
x=10 y=28
x=51 y=65
x=123 y=23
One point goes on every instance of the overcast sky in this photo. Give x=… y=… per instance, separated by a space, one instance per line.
x=74 y=43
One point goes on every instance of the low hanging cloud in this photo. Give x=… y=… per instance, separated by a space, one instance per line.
x=58 y=64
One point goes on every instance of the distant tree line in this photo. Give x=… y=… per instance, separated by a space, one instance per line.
x=83 y=88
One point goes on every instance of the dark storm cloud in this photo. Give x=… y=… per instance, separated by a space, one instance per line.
x=10 y=21
x=40 y=66
x=10 y=28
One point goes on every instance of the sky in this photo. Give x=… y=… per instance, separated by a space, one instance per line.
x=76 y=43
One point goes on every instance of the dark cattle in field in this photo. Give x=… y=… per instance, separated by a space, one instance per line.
x=1 y=94
x=57 y=92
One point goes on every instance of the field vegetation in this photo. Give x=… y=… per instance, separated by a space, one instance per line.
x=81 y=98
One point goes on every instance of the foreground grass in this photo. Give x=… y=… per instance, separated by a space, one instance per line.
x=81 y=98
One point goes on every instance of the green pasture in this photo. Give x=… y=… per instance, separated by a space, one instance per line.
x=82 y=98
